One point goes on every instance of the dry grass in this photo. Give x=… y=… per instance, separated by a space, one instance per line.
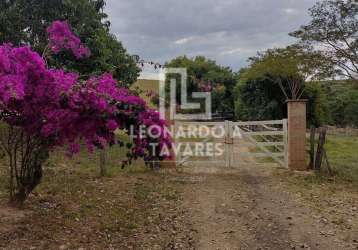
x=321 y=189
x=74 y=208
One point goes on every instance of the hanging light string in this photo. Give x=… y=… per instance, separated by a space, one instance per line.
x=141 y=63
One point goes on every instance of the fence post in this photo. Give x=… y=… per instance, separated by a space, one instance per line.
x=227 y=144
x=285 y=141
x=320 y=148
x=231 y=143
x=176 y=143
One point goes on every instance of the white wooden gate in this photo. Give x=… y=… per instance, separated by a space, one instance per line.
x=258 y=142
x=263 y=141
x=183 y=159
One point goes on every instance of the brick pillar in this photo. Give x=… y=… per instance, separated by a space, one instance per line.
x=297 y=135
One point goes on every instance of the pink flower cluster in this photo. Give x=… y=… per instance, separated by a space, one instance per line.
x=61 y=37
x=150 y=119
x=61 y=110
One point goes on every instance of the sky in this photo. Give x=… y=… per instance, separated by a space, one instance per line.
x=228 y=31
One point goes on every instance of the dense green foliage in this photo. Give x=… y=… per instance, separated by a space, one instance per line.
x=259 y=99
x=289 y=67
x=206 y=75
x=275 y=76
x=328 y=46
x=318 y=113
x=342 y=103
x=263 y=99
x=334 y=103
x=25 y=22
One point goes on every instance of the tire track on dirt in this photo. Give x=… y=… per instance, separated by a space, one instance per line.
x=251 y=210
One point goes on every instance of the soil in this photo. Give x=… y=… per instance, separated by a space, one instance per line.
x=245 y=208
x=252 y=209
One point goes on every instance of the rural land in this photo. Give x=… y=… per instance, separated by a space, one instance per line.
x=162 y=125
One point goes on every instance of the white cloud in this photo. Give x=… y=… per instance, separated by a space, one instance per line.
x=237 y=51
x=291 y=11
x=185 y=40
x=228 y=31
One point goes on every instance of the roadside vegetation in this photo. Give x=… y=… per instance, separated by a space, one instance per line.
x=342 y=151
x=73 y=208
x=49 y=113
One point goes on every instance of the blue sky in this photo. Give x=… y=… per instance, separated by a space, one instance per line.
x=228 y=31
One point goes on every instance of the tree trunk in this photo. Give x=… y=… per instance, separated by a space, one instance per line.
x=27 y=176
x=25 y=154
x=102 y=162
x=19 y=198
x=25 y=187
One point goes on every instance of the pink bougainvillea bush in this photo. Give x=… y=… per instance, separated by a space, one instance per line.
x=46 y=108
x=62 y=38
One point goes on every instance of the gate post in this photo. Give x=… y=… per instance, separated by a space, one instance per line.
x=285 y=141
x=297 y=134
x=228 y=142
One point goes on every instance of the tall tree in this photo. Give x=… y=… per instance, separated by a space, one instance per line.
x=260 y=98
x=333 y=31
x=292 y=63
x=42 y=108
x=25 y=21
x=342 y=103
x=205 y=75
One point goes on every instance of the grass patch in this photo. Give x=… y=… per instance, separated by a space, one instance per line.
x=342 y=152
x=90 y=161
x=131 y=208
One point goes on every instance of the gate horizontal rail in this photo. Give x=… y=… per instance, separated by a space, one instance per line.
x=268 y=138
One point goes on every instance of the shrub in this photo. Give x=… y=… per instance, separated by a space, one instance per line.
x=46 y=108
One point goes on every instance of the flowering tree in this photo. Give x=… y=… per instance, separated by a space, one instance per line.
x=88 y=19
x=43 y=108
x=61 y=37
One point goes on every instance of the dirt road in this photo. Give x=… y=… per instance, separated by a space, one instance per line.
x=251 y=209
x=245 y=208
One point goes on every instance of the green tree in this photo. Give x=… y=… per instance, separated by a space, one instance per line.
x=262 y=99
x=333 y=32
x=318 y=112
x=342 y=103
x=206 y=75
x=25 y=22
x=258 y=99
x=351 y=112
x=293 y=64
